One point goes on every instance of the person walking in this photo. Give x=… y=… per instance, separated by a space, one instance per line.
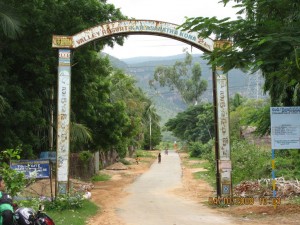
x=159 y=158
x=6 y=207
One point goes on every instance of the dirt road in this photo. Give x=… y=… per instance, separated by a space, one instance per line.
x=151 y=199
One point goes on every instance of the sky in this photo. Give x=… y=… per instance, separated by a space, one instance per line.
x=172 y=11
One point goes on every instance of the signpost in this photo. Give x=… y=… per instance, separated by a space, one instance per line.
x=32 y=168
x=285 y=132
x=285 y=127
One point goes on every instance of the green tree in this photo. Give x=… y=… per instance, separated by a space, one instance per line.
x=236 y=101
x=9 y=20
x=184 y=77
x=194 y=124
x=152 y=132
x=124 y=89
x=264 y=37
x=28 y=69
x=250 y=112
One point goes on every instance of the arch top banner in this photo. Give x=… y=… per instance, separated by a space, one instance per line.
x=127 y=27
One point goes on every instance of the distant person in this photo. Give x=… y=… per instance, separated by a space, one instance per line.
x=166 y=151
x=159 y=158
x=6 y=208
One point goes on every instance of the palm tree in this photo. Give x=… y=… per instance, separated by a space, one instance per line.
x=9 y=21
x=150 y=113
x=10 y=26
x=79 y=135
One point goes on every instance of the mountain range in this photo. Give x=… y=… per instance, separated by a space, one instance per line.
x=169 y=103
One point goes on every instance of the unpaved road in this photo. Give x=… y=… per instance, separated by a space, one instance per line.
x=151 y=200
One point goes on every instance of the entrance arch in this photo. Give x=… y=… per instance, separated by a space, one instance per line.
x=132 y=27
x=65 y=44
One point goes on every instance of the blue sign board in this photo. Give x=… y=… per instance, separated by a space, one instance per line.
x=32 y=168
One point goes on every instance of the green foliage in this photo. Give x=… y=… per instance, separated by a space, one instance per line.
x=198 y=149
x=264 y=38
x=31 y=202
x=101 y=177
x=125 y=162
x=29 y=69
x=249 y=162
x=250 y=113
x=14 y=180
x=79 y=134
x=236 y=101
x=74 y=210
x=85 y=156
x=9 y=20
x=194 y=124
x=287 y=163
x=207 y=176
x=182 y=76
x=65 y=202
x=155 y=137
x=145 y=154
x=296 y=200
x=77 y=216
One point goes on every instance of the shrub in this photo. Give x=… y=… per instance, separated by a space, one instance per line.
x=197 y=149
x=63 y=202
x=249 y=162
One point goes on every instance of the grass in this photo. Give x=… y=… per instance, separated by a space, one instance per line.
x=203 y=175
x=145 y=154
x=101 y=177
x=196 y=165
x=295 y=200
x=74 y=217
x=206 y=176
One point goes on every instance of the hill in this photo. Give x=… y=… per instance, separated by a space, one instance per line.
x=169 y=103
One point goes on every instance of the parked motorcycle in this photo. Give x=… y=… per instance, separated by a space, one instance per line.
x=28 y=216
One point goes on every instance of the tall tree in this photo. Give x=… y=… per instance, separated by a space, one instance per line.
x=9 y=21
x=264 y=37
x=28 y=69
x=184 y=77
x=152 y=132
x=194 y=124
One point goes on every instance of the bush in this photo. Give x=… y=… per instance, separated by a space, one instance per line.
x=197 y=149
x=249 y=162
x=63 y=202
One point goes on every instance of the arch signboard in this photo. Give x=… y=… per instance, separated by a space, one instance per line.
x=65 y=45
x=130 y=27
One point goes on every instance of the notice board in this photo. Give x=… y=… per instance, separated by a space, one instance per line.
x=285 y=127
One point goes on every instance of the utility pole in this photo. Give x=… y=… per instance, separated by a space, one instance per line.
x=150 y=131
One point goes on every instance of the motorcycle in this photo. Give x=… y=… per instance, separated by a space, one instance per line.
x=28 y=216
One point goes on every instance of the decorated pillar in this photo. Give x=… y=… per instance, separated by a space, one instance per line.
x=223 y=135
x=63 y=120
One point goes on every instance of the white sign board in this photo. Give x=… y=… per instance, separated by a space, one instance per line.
x=285 y=127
